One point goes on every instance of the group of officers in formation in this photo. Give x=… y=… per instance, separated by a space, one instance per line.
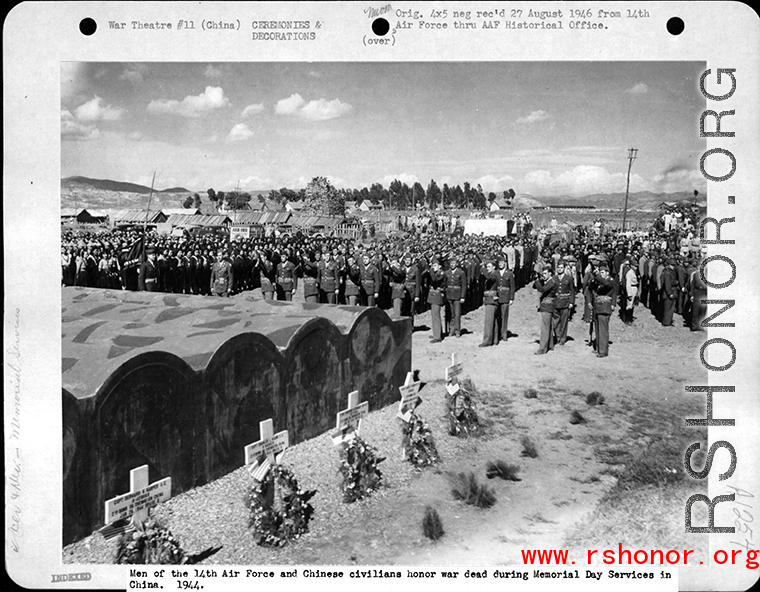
x=445 y=273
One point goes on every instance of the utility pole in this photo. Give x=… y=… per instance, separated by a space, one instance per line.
x=631 y=157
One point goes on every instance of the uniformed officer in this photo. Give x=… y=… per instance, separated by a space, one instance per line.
x=505 y=287
x=309 y=272
x=491 y=303
x=329 y=278
x=266 y=274
x=147 y=280
x=370 y=281
x=547 y=288
x=668 y=293
x=352 y=280
x=222 y=275
x=412 y=283
x=603 y=287
x=287 y=282
x=456 y=292
x=436 y=281
x=564 y=303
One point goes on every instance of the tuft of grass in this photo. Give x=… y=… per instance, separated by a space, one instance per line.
x=502 y=470
x=529 y=447
x=576 y=418
x=595 y=398
x=465 y=487
x=432 y=527
x=559 y=435
x=530 y=393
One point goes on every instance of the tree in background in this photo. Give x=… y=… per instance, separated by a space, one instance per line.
x=509 y=195
x=418 y=195
x=446 y=195
x=323 y=199
x=378 y=194
x=457 y=197
x=433 y=195
x=237 y=200
x=212 y=196
x=197 y=201
x=188 y=203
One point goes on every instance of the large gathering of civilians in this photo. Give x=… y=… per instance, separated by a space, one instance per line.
x=431 y=267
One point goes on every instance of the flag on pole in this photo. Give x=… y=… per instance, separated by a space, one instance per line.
x=134 y=256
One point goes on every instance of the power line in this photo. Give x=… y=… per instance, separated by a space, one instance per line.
x=631 y=157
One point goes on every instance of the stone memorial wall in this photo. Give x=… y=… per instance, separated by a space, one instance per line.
x=180 y=383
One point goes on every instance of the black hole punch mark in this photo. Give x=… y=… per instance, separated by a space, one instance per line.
x=380 y=27
x=88 y=26
x=675 y=26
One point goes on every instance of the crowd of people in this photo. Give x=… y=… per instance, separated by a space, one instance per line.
x=411 y=274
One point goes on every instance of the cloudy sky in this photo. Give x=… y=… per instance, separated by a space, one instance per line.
x=548 y=129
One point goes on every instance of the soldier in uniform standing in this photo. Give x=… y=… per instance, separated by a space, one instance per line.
x=456 y=292
x=309 y=272
x=266 y=275
x=436 y=282
x=603 y=287
x=329 y=278
x=412 y=283
x=564 y=303
x=147 y=280
x=491 y=303
x=352 y=281
x=287 y=282
x=222 y=275
x=398 y=291
x=505 y=287
x=669 y=293
x=547 y=288
x=697 y=296
x=370 y=281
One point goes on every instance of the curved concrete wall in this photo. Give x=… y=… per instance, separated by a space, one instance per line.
x=188 y=407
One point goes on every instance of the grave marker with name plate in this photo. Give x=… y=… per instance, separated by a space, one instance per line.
x=453 y=371
x=136 y=504
x=349 y=420
x=410 y=398
x=271 y=446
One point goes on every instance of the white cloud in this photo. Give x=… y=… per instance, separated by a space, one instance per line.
x=73 y=79
x=73 y=130
x=212 y=72
x=638 y=89
x=680 y=179
x=290 y=105
x=253 y=110
x=578 y=181
x=407 y=178
x=240 y=133
x=533 y=117
x=322 y=110
x=253 y=182
x=94 y=110
x=317 y=110
x=192 y=105
x=134 y=73
x=494 y=183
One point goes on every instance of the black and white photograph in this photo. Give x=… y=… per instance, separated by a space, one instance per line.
x=353 y=313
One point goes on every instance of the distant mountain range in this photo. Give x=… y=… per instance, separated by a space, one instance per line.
x=104 y=193
x=108 y=185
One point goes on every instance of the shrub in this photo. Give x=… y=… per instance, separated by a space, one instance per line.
x=358 y=468
x=432 y=527
x=576 y=418
x=595 y=398
x=529 y=447
x=502 y=470
x=530 y=393
x=279 y=509
x=465 y=487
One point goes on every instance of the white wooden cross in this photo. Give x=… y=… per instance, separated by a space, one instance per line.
x=452 y=372
x=350 y=419
x=270 y=445
x=410 y=398
x=141 y=498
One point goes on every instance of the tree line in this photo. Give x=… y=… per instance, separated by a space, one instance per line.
x=321 y=196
